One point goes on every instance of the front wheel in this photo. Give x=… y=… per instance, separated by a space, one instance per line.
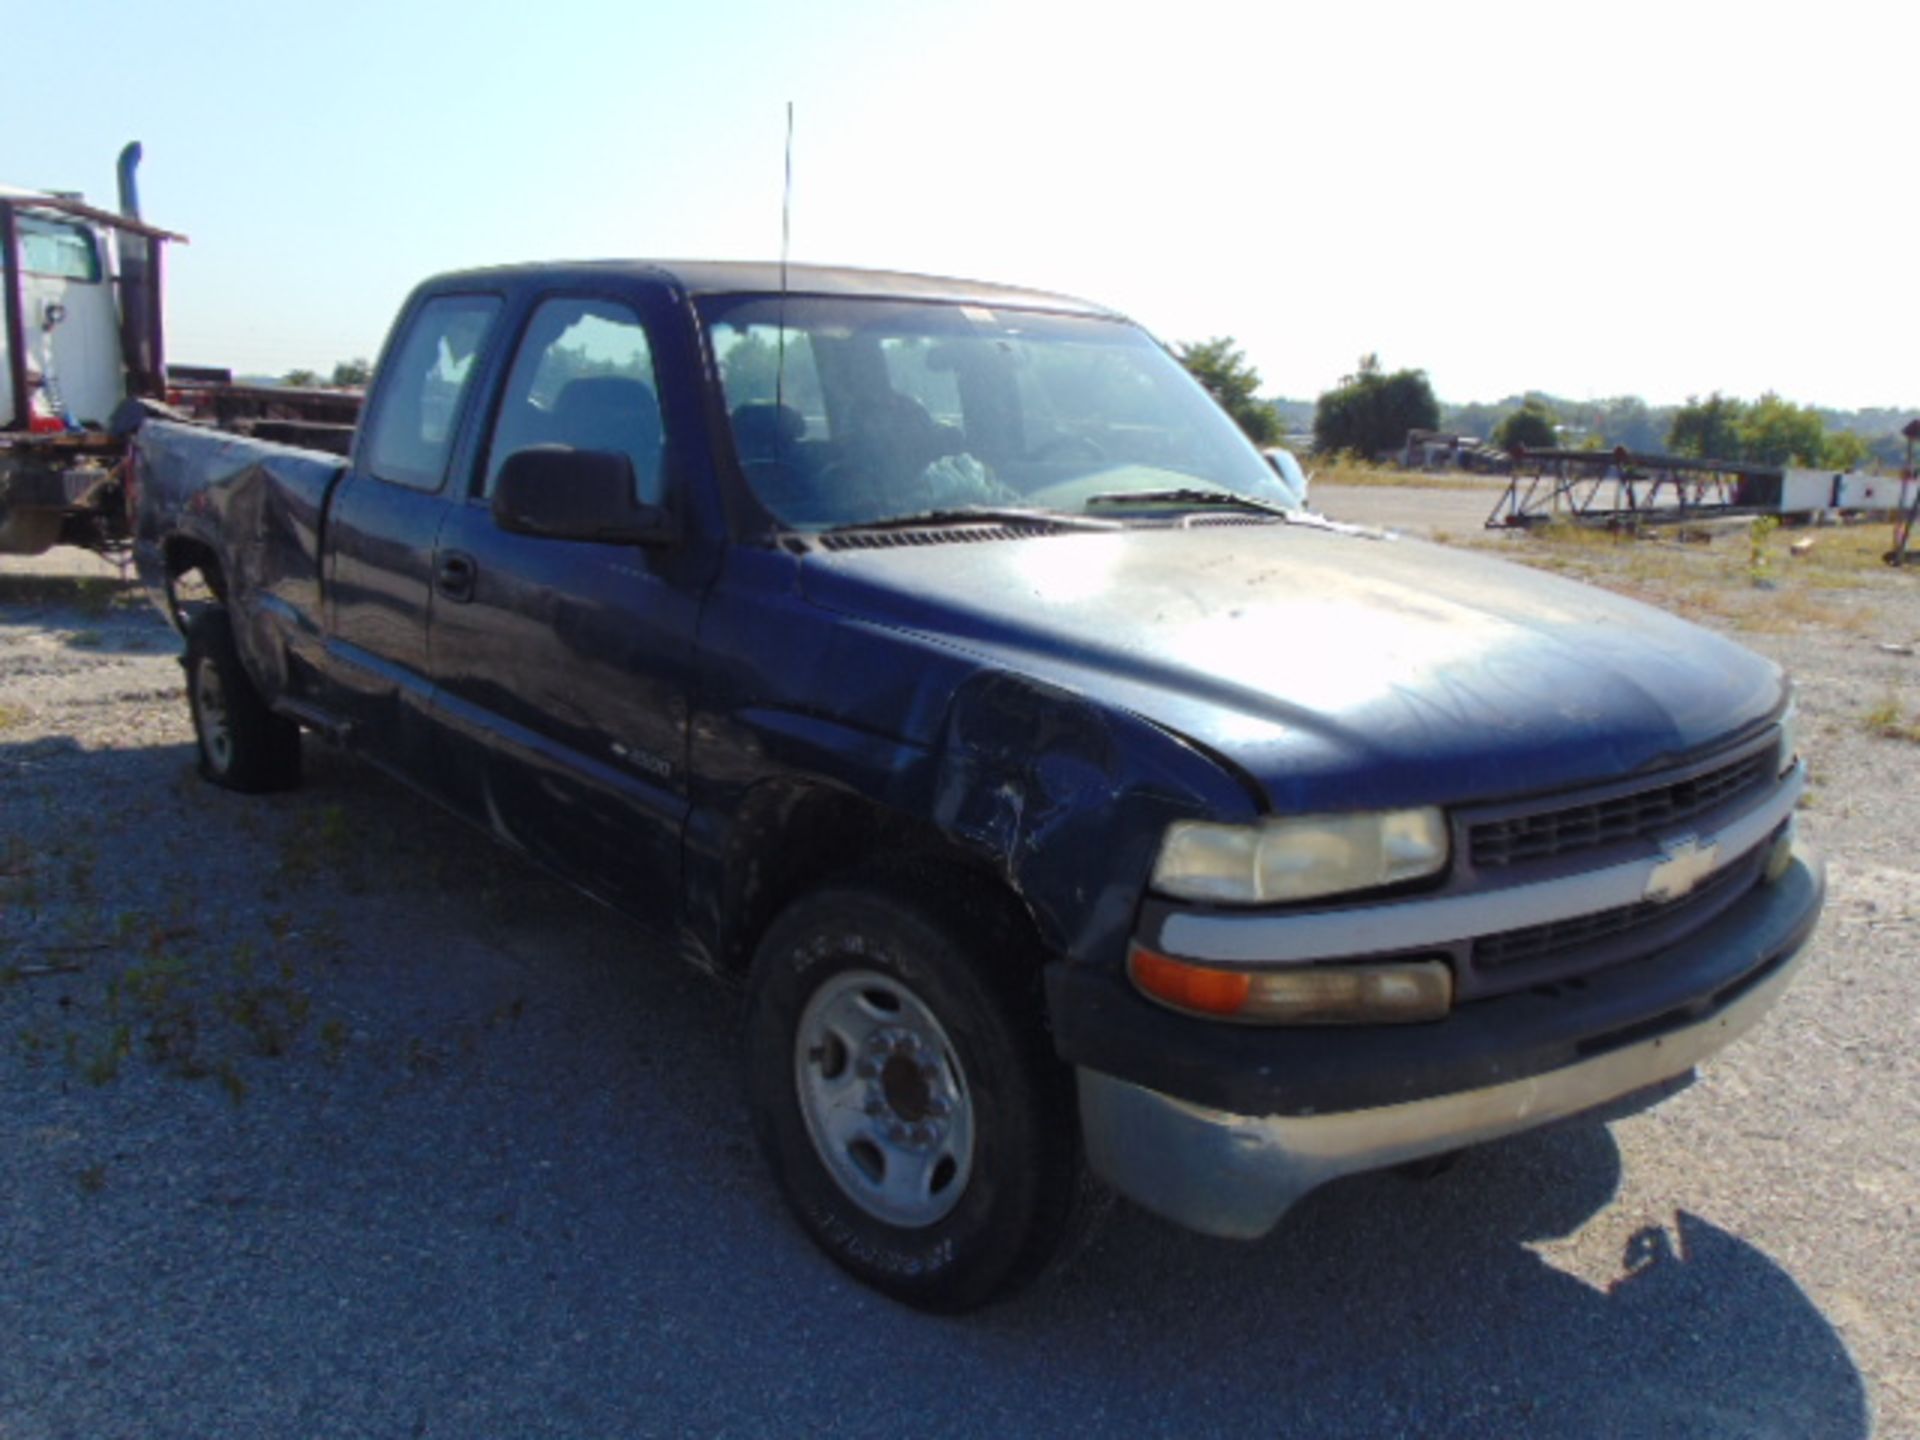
x=905 y=1095
x=243 y=745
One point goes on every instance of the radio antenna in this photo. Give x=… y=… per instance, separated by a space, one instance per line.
x=786 y=203
x=786 y=232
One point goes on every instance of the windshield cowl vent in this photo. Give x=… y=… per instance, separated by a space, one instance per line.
x=1196 y=522
x=942 y=535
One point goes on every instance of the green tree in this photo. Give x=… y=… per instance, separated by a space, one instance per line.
x=1777 y=432
x=1627 y=421
x=300 y=379
x=1370 y=411
x=1480 y=418
x=1707 y=429
x=1225 y=374
x=1845 y=450
x=351 y=373
x=747 y=370
x=1532 y=425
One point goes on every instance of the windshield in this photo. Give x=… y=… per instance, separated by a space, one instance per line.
x=854 y=412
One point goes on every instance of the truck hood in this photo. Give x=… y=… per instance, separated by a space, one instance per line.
x=1336 y=670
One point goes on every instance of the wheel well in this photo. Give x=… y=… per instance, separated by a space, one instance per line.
x=793 y=838
x=184 y=559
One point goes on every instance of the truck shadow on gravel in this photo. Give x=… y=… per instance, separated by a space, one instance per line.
x=514 y=1192
x=1387 y=1306
x=99 y=613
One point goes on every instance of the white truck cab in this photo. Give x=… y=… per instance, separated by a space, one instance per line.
x=70 y=324
x=80 y=332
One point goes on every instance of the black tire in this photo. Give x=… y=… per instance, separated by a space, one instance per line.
x=1003 y=1209
x=1429 y=1167
x=243 y=745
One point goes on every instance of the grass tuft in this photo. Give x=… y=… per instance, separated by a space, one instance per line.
x=1890 y=721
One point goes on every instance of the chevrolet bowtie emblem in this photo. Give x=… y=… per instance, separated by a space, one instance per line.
x=1684 y=863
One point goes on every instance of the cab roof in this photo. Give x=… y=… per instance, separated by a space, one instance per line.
x=696 y=278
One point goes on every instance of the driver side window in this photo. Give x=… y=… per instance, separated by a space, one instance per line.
x=583 y=377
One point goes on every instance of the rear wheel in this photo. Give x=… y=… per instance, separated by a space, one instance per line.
x=906 y=1096
x=243 y=745
x=27 y=531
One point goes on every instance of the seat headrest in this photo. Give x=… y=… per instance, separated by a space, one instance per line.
x=761 y=428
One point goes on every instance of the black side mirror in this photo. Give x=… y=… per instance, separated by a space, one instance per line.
x=567 y=494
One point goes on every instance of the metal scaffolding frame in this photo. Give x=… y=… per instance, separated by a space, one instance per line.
x=1620 y=489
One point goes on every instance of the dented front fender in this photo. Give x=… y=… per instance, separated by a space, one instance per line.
x=1071 y=799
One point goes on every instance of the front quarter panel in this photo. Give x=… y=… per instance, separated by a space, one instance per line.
x=1071 y=798
x=1062 y=797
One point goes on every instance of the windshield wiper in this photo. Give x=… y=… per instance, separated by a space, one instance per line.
x=974 y=515
x=1188 y=497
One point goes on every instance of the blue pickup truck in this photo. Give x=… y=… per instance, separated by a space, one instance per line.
x=935 y=661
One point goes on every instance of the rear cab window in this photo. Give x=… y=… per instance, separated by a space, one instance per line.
x=57 y=249
x=422 y=387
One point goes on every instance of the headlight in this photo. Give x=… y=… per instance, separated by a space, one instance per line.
x=1789 y=736
x=1299 y=857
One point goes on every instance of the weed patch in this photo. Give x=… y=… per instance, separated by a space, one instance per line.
x=93 y=595
x=1759 y=555
x=1759 y=586
x=170 y=1004
x=1890 y=721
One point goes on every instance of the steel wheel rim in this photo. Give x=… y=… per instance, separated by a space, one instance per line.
x=884 y=1098
x=210 y=711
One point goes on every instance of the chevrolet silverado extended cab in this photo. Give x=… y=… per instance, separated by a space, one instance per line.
x=938 y=661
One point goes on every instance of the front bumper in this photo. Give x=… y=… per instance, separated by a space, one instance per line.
x=1234 y=1175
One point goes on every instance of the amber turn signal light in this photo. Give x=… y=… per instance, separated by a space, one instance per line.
x=1390 y=993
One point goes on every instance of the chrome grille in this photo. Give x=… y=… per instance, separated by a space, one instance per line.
x=1619 y=926
x=1645 y=814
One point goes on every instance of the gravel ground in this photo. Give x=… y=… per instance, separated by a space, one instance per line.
x=323 y=1116
x=1422 y=512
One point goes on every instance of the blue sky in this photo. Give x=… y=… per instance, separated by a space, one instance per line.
x=1588 y=199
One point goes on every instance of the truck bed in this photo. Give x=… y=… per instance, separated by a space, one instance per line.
x=258 y=505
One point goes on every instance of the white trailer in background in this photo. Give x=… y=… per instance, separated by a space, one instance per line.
x=1828 y=492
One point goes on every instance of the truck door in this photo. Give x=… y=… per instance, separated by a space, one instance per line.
x=70 y=329
x=380 y=533
x=563 y=666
